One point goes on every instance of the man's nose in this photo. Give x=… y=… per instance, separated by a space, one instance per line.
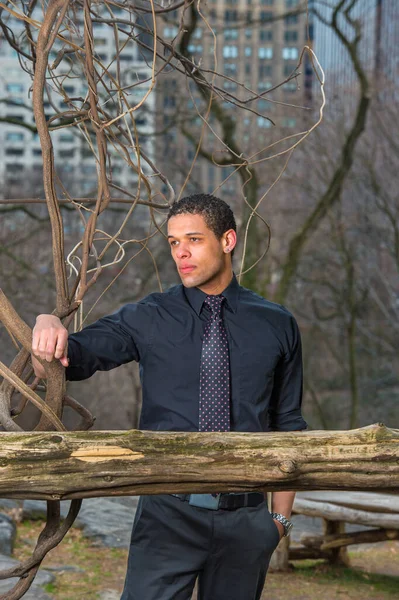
x=182 y=251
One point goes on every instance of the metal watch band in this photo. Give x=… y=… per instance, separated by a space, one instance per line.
x=288 y=525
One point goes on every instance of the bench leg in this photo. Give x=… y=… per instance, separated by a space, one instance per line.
x=337 y=556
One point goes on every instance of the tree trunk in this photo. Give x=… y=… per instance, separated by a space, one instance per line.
x=64 y=465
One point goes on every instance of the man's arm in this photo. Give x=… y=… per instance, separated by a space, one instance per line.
x=285 y=407
x=282 y=502
x=109 y=342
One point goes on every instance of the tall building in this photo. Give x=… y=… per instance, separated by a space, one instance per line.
x=20 y=151
x=377 y=50
x=249 y=50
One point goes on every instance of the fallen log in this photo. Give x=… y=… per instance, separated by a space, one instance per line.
x=371 y=501
x=301 y=553
x=329 y=542
x=65 y=465
x=332 y=512
x=319 y=547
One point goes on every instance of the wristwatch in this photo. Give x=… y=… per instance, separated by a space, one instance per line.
x=288 y=525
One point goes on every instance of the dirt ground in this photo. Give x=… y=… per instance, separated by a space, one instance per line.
x=374 y=572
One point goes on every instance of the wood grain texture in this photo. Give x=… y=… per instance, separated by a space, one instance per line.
x=64 y=465
x=370 y=501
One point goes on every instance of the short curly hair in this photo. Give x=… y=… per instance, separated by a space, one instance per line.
x=217 y=214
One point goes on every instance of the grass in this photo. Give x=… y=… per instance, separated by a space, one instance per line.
x=97 y=567
x=350 y=577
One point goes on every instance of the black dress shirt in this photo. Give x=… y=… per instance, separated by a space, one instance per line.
x=164 y=333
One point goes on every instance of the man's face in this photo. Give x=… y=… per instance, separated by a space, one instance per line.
x=199 y=256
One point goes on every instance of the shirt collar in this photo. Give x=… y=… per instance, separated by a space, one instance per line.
x=196 y=297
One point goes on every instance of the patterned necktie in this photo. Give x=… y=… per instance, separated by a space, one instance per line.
x=214 y=404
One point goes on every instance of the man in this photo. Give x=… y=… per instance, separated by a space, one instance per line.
x=213 y=356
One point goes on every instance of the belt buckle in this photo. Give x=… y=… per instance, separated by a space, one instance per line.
x=209 y=501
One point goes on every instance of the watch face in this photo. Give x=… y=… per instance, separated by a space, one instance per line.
x=288 y=525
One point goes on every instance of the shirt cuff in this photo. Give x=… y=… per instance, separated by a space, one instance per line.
x=291 y=421
x=72 y=372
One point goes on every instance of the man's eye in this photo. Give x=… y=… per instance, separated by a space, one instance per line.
x=174 y=243
x=194 y=239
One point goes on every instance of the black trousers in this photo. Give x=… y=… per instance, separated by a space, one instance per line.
x=173 y=543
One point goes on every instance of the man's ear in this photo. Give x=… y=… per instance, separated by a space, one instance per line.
x=229 y=240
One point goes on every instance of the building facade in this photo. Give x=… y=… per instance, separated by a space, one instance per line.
x=75 y=156
x=377 y=49
x=250 y=50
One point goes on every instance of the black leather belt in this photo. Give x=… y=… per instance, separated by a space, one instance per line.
x=223 y=501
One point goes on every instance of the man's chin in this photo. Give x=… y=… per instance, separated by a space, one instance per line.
x=189 y=280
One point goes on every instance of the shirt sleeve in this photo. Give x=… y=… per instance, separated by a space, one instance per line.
x=285 y=406
x=111 y=341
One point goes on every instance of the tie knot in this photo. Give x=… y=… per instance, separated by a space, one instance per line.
x=214 y=303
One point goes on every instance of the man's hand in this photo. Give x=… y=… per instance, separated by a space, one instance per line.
x=49 y=341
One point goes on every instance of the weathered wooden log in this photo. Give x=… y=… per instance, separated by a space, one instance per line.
x=338 y=555
x=323 y=547
x=332 y=512
x=59 y=465
x=301 y=553
x=370 y=501
x=327 y=542
x=280 y=557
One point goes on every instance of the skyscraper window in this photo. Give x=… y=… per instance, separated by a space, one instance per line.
x=230 y=16
x=230 y=34
x=265 y=71
x=230 y=68
x=13 y=136
x=266 y=35
x=264 y=123
x=265 y=52
x=230 y=51
x=14 y=88
x=291 y=35
x=288 y=122
x=291 y=19
x=265 y=16
x=290 y=53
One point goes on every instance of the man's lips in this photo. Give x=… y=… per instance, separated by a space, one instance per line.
x=186 y=269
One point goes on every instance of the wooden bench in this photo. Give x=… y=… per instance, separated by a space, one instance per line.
x=378 y=511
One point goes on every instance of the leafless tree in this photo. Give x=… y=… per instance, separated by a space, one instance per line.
x=58 y=43
x=55 y=44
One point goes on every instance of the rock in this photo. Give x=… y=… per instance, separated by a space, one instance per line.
x=109 y=595
x=65 y=568
x=6 y=504
x=42 y=578
x=37 y=509
x=35 y=592
x=8 y=532
x=107 y=520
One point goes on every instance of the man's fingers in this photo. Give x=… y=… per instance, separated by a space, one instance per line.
x=35 y=341
x=61 y=343
x=64 y=361
x=37 y=367
x=51 y=345
x=42 y=346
